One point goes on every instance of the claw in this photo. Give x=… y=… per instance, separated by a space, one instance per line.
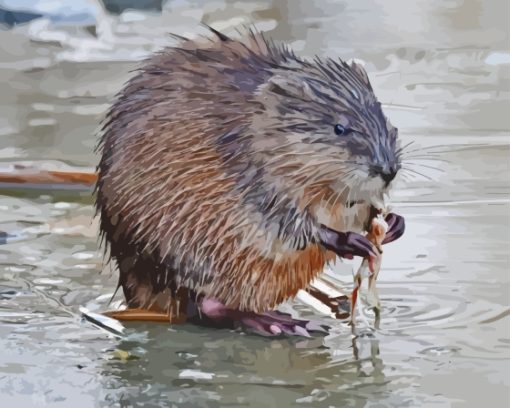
x=301 y=331
x=315 y=326
x=361 y=245
x=396 y=227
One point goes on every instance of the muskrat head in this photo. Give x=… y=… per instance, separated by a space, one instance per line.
x=326 y=137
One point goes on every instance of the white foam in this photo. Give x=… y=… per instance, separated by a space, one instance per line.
x=498 y=58
x=196 y=375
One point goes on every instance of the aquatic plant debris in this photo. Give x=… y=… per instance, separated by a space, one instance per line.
x=370 y=268
x=123 y=355
x=105 y=323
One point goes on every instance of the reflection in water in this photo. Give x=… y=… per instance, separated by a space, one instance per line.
x=269 y=371
x=440 y=69
x=376 y=363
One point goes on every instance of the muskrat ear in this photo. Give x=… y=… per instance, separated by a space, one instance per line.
x=290 y=87
x=360 y=72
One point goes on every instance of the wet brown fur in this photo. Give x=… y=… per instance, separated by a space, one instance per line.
x=169 y=204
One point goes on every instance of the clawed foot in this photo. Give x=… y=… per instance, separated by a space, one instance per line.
x=349 y=244
x=271 y=323
x=275 y=323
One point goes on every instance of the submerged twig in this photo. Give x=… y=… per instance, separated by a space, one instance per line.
x=370 y=268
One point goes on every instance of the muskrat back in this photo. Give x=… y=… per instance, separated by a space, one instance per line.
x=221 y=158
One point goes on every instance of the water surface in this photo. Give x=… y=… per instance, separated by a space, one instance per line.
x=441 y=70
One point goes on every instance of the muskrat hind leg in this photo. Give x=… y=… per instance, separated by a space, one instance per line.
x=174 y=310
x=147 y=288
x=271 y=323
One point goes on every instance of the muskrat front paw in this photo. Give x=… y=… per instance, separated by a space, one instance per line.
x=396 y=227
x=347 y=244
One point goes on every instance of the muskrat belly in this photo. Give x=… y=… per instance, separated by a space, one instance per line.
x=261 y=284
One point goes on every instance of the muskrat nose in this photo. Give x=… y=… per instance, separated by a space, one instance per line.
x=387 y=173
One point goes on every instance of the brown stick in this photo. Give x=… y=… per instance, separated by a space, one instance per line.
x=143 y=315
x=34 y=176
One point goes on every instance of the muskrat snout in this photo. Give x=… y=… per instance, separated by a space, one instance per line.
x=386 y=172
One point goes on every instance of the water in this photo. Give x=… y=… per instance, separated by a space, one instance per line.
x=442 y=71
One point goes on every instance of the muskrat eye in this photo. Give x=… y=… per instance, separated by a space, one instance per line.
x=341 y=130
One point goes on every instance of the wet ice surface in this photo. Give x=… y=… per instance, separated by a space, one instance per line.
x=444 y=337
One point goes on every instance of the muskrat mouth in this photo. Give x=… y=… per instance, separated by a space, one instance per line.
x=351 y=204
x=375 y=210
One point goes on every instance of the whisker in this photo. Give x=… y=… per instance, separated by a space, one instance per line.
x=320 y=177
x=336 y=197
x=339 y=195
x=406 y=178
x=425 y=166
x=425 y=148
x=351 y=190
x=428 y=158
x=401 y=149
x=450 y=148
x=418 y=173
x=347 y=176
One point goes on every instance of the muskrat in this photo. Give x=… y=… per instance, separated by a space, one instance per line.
x=232 y=171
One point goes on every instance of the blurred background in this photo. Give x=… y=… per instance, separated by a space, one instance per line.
x=441 y=70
